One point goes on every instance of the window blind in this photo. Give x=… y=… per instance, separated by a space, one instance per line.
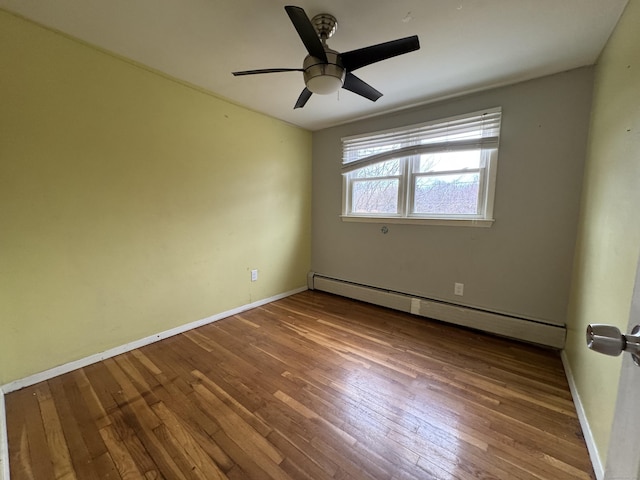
x=471 y=131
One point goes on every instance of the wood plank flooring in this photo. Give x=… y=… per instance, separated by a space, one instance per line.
x=310 y=387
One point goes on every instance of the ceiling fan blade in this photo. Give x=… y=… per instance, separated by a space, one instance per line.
x=267 y=70
x=356 y=85
x=303 y=98
x=307 y=33
x=375 y=53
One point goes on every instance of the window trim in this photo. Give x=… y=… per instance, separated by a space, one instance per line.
x=408 y=155
x=451 y=222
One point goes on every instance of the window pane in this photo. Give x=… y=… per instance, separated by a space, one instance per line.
x=382 y=169
x=447 y=194
x=375 y=196
x=447 y=161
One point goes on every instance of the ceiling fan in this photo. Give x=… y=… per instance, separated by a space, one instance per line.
x=325 y=70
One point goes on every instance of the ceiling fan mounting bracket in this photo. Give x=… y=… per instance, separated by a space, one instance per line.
x=325 y=24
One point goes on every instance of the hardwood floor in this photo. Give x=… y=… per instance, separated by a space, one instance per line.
x=315 y=387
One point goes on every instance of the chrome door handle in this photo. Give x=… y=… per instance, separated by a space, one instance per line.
x=608 y=339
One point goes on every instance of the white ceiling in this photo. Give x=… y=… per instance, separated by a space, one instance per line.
x=466 y=45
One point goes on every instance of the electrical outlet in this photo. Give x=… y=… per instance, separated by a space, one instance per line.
x=458 y=289
x=254 y=275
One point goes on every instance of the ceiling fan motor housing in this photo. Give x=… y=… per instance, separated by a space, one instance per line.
x=324 y=78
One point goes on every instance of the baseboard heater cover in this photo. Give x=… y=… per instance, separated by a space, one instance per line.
x=497 y=323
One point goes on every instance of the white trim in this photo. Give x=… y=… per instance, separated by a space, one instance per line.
x=404 y=144
x=463 y=222
x=98 y=357
x=4 y=440
x=594 y=454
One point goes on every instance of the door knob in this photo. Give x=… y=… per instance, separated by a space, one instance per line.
x=608 y=339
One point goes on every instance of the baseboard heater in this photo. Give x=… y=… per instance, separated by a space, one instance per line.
x=509 y=326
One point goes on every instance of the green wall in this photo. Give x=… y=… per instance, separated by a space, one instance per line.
x=608 y=241
x=131 y=203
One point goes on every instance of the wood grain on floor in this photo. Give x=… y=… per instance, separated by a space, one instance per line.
x=310 y=387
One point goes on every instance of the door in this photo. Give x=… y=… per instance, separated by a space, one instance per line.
x=623 y=459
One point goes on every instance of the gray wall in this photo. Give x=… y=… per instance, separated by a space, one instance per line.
x=522 y=264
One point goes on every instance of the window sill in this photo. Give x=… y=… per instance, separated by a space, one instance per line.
x=451 y=222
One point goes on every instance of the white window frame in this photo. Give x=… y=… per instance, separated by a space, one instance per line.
x=476 y=131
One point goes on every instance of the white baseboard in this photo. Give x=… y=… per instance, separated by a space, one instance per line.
x=83 y=362
x=4 y=441
x=594 y=454
x=98 y=357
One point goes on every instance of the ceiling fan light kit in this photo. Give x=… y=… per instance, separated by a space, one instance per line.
x=325 y=71
x=321 y=77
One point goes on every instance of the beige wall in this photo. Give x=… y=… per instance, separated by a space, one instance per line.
x=130 y=203
x=522 y=264
x=609 y=230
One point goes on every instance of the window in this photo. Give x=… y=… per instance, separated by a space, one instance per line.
x=438 y=172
